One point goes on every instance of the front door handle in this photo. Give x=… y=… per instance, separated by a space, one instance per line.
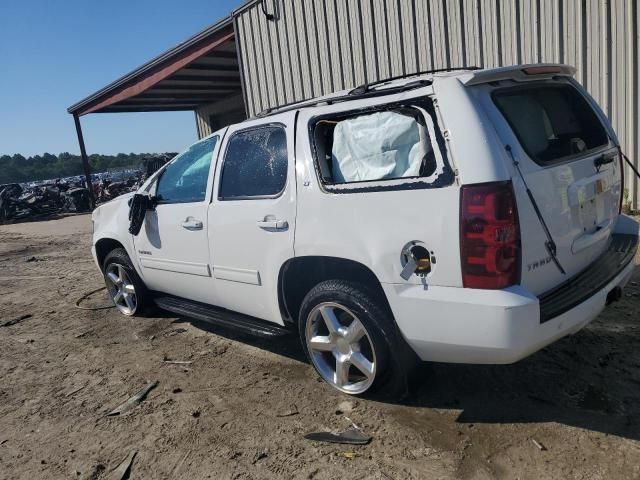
x=191 y=223
x=271 y=223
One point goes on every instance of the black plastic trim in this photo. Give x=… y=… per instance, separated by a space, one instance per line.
x=220 y=316
x=622 y=248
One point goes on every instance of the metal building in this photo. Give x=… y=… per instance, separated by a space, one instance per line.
x=290 y=50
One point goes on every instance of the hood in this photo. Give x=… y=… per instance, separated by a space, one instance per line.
x=112 y=205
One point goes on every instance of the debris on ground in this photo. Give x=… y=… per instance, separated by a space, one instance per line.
x=540 y=447
x=258 y=456
x=289 y=413
x=348 y=455
x=166 y=359
x=175 y=331
x=344 y=407
x=96 y=472
x=16 y=320
x=83 y=334
x=122 y=470
x=133 y=400
x=352 y=436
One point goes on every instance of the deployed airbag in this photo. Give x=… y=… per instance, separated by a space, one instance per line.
x=377 y=146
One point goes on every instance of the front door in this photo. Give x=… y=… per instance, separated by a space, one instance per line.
x=172 y=246
x=252 y=216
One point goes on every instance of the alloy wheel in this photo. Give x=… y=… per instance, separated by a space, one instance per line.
x=121 y=289
x=340 y=348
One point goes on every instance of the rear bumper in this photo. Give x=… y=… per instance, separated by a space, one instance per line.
x=460 y=325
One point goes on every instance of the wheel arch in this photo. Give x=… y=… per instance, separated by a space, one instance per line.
x=106 y=245
x=299 y=275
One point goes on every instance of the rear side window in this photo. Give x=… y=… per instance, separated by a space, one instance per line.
x=391 y=146
x=255 y=164
x=551 y=121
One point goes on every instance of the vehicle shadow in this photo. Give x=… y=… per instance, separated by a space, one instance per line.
x=286 y=345
x=589 y=380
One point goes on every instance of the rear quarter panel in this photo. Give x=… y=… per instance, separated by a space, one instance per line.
x=373 y=227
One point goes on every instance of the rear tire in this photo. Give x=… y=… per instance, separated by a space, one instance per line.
x=351 y=340
x=125 y=287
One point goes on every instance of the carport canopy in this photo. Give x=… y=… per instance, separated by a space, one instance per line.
x=200 y=71
x=197 y=72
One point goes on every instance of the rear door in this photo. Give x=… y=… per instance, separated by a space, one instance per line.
x=569 y=160
x=252 y=216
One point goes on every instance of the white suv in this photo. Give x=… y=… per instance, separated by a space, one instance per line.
x=463 y=216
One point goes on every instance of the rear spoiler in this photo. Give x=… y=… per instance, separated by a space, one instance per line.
x=518 y=73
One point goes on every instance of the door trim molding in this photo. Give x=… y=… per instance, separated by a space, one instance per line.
x=190 y=268
x=239 y=275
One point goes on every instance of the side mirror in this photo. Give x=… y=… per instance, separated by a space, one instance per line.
x=139 y=204
x=152 y=202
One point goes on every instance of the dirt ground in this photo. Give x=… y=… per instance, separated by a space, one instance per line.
x=242 y=407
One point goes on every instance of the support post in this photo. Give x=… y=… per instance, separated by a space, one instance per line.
x=85 y=160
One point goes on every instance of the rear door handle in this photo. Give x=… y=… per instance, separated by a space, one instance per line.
x=191 y=223
x=270 y=223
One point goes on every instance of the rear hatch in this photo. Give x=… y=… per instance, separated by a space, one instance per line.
x=566 y=152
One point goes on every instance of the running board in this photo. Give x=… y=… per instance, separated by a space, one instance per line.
x=221 y=317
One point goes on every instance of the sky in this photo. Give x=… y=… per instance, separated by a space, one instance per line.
x=55 y=53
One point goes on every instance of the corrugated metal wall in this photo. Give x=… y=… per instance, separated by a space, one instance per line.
x=314 y=47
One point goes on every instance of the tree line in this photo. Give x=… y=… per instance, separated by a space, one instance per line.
x=17 y=168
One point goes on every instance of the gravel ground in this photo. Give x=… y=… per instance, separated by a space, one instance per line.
x=242 y=407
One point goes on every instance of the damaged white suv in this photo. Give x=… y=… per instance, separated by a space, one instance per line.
x=464 y=216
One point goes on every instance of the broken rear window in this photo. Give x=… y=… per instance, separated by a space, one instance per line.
x=391 y=146
x=551 y=121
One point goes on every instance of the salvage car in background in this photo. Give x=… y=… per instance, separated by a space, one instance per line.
x=464 y=216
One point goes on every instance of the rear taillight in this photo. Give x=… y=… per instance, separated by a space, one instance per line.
x=489 y=236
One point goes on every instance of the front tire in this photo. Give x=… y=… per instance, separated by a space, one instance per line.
x=125 y=287
x=349 y=338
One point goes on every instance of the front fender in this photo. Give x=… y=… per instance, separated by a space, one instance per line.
x=111 y=222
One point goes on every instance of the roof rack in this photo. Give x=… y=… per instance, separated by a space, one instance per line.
x=364 y=91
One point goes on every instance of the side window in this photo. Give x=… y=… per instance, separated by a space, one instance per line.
x=255 y=164
x=185 y=178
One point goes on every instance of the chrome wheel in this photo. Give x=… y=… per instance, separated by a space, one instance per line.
x=340 y=348
x=121 y=289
